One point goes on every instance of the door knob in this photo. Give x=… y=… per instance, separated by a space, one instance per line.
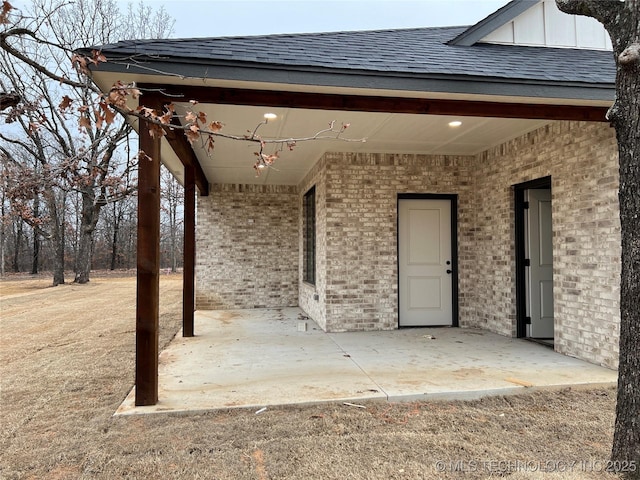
x=448 y=271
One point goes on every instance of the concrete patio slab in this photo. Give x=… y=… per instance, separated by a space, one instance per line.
x=261 y=357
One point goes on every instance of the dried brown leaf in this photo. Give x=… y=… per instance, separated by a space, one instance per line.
x=210 y=143
x=65 y=103
x=215 y=126
x=146 y=111
x=99 y=119
x=156 y=131
x=84 y=122
x=4 y=12
x=97 y=57
x=109 y=114
x=192 y=133
x=79 y=62
x=166 y=118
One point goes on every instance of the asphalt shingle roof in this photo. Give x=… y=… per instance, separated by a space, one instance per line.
x=420 y=51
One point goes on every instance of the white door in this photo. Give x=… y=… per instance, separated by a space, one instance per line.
x=425 y=263
x=539 y=251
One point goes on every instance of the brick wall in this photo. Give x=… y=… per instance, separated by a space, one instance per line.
x=357 y=209
x=357 y=256
x=250 y=238
x=247 y=251
x=316 y=309
x=582 y=161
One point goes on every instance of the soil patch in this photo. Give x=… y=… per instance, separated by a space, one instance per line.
x=67 y=362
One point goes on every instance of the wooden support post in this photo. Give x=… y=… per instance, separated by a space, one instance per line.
x=148 y=263
x=188 y=278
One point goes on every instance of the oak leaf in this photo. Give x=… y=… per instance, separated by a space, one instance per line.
x=108 y=114
x=168 y=115
x=4 y=12
x=97 y=57
x=84 y=122
x=79 y=62
x=99 y=119
x=215 y=126
x=146 y=111
x=65 y=103
x=156 y=131
x=192 y=133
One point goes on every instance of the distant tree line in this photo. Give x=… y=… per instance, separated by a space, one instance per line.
x=113 y=247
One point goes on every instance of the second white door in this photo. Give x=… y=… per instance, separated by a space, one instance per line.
x=539 y=249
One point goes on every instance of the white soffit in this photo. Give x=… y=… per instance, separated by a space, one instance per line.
x=232 y=161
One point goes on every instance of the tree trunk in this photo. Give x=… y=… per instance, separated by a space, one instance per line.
x=18 y=245
x=58 y=258
x=35 y=260
x=622 y=21
x=174 y=233
x=88 y=222
x=36 y=254
x=83 y=264
x=114 y=247
x=626 y=119
x=117 y=217
x=57 y=235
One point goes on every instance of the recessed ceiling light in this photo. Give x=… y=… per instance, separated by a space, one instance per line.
x=455 y=123
x=270 y=116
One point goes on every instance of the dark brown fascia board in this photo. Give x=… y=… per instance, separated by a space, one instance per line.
x=179 y=143
x=366 y=103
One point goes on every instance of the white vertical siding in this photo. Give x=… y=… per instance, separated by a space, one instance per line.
x=545 y=25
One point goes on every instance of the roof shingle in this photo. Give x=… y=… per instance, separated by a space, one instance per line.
x=418 y=51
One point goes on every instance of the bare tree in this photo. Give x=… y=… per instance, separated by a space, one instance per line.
x=171 y=205
x=622 y=21
x=63 y=122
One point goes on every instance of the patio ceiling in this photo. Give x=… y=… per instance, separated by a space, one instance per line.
x=391 y=121
x=232 y=161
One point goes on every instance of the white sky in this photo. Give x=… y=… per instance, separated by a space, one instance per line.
x=212 y=18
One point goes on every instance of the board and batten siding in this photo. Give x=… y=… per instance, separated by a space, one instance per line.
x=545 y=26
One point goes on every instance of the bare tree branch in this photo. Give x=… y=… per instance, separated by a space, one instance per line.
x=17 y=32
x=606 y=12
x=9 y=100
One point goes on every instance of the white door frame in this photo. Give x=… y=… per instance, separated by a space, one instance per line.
x=453 y=199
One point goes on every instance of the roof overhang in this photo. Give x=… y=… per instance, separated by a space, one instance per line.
x=413 y=108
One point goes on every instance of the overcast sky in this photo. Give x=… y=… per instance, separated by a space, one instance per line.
x=212 y=18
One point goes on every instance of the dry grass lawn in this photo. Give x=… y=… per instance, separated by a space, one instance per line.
x=67 y=362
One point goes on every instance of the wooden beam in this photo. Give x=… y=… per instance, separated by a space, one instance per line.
x=148 y=273
x=179 y=142
x=188 y=275
x=365 y=103
x=187 y=156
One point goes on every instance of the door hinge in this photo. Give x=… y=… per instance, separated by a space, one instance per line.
x=525 y=205
x=527 y=262
x=527 y=320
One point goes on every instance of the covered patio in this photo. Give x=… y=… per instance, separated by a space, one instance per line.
x=264 y=357
x=447 y=115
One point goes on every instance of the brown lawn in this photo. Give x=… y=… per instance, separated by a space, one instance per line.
x=67 y=361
